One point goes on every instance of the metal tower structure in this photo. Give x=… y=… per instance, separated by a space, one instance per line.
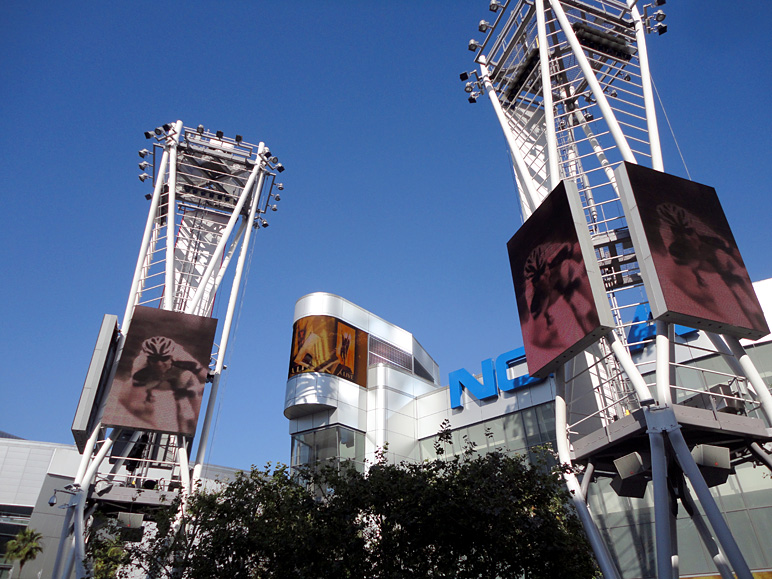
x=210 y=193
x=570 y=85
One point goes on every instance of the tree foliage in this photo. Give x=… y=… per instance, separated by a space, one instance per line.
x=467 y=516
x=24 y=547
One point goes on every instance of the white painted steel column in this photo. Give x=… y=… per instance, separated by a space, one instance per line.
x=182 y=459
x=546 y=89
x=256 y=193
x=520 y=168
x=723 y=533
x=82 y=495
x=750 y=371
x=648 y=95
x=151 y=214
x=171 y=218
x=602 y=555
x=592 y=82
x=662 y=513
x=634 y=375
x=663 y=364
x=193 y=304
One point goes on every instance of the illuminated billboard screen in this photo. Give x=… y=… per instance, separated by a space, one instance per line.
x=328 y=345
x=690 y=264
x=559 y=290
x=161 y=375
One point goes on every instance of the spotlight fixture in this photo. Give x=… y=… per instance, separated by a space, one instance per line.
x=144 y=153
x=661 y=28
x=277 y=197
x=474 y=45
x=280 y=186
x=239 y=138
x=159 y=131
x=200 y=129
x=143 y=177
x=148 y=134
x=484 y=26
x=628 y=77
x=273 y=160
x=219 y=134
x=472 y=99
x=588 y=117
x=659 y=15
x=263 y=223
x=494 y=6
x=274 y=208
x=148 y=196
x=464 y=76
x=267 y=152
x=280 y=167
x=469 y=87
x=660 y=2
x=167 y=127
x=144 y=165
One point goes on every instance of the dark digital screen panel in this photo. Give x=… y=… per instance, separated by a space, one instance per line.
x=560 y=297
x=328 y=345
x=691 y=266
x=160 y=379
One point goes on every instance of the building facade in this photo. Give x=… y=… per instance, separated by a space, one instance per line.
x=345 y=405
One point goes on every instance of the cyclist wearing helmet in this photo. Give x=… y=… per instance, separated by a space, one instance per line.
x=167 y=384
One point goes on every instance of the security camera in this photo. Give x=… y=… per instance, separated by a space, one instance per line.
x=52 y=500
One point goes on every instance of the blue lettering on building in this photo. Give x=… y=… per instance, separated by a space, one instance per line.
x=494 y=375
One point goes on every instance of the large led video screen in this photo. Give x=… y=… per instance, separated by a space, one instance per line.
x=561 y=301
x=329 y=345
x=160 y=379
x=690 y=264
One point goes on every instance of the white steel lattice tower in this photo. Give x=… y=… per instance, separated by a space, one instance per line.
x=570 y=85
x=209 y=194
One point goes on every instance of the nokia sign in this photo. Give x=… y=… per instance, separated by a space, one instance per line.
x=494 y=376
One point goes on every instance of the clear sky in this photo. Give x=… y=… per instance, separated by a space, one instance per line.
x=399 y=195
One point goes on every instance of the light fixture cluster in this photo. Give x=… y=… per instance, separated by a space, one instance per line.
x=654 y=22
x=474 y=88
x=159 y=133
x=272 y=194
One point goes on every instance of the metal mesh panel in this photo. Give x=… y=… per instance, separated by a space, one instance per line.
x=384 y=353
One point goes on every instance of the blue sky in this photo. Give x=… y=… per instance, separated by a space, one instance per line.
x=399 y=196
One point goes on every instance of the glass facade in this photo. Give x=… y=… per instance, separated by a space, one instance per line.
x=328 y=444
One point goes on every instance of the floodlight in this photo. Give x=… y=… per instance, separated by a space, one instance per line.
x=494 y=6
x=144 y=165
x=148 y=196
x=274 y=208
x=472 y=99
x=277 y=197
x=200 y=129
x=659 y=15
x=219 y=134
x=280 y=186
x=267 y=152
x=144 y=153
x=484 y=26
x=239 y=138
x=280 y=167
x=273 y=160
x=264 y=223
x=660 y=2
x=464 y=76
x=167 y=127
x=143 y=177
x=588 y=116
x=474 y=45
x=148 y=134
x=661 y=28
x=469 y=87
x=159 y=131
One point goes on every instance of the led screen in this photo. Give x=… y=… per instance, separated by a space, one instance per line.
x=161 y=375
x=691 y=266
x=329 y=345
x=560 y=298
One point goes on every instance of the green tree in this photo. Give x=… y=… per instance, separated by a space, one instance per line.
x=471 y=515
x=24 y=547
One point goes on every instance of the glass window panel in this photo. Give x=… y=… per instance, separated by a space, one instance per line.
x=755 y=485
x=326 y=444
x=515 y=432
x=740 y=524
x=531 y=426
x=302 y=449
x=427 y=449
x=546 y=417
x=477 y=435
x=348 y=450
x=762 y=523
x=498 y=439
